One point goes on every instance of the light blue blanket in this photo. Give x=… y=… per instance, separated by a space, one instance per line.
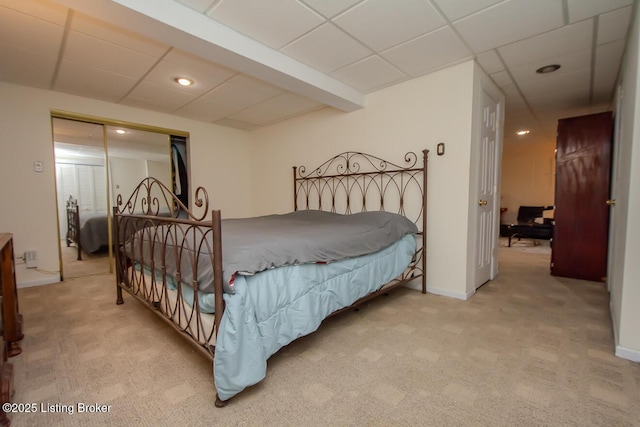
x=271 y=309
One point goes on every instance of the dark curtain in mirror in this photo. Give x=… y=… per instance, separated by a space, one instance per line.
x=179 y=169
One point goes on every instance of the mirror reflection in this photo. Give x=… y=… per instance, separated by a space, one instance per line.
x=90 y=177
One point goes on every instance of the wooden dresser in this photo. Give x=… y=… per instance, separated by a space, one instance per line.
x=10 y=321
x=11 y=317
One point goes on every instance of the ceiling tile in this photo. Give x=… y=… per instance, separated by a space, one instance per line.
x=277 y=108
x=428 y=53
x=555 y=43
x=198 y=5
x=582 y=9
x=514 y=99
x=532 y=83
x=228 y=98
x=274 y=23
x=44 y=10
x=117 y=36
x=102 y=62
x=95 y=53
x=614 y=25
x=26 y=67
x=326 y=49
x=256 y=85
x=145 y=104
x=206 y=75
x=79 y=79
x=502 y=78
x=235 y=124
x=490 y=61
x=497 y=26
x=456 y=9
x=194 y=62
x=567 y=101
x=605 y=76
x=381 y=24
x=163 y=95
x=521 y=119
x=28 y=32
x=330 y=8
x=206 y=110
x=369 y=74
x=568 y=90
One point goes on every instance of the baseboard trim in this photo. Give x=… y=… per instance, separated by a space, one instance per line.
x=417 y=285
x=445 y=293
x=627 y=353
x=620 y=351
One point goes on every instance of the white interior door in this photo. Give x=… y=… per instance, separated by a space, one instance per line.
x=66 y=176
x=487 y=188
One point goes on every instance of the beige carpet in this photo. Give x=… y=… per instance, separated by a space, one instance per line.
x=527 y=349
x=527 y=245
x=90 y=264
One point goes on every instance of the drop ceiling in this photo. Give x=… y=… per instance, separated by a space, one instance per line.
x=258 y=62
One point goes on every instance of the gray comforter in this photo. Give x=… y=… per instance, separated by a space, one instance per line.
x=251 y=245
x=94 y=231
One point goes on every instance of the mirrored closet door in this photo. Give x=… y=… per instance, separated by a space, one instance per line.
x=96 y=162
x=81 y=182
x=135 y=155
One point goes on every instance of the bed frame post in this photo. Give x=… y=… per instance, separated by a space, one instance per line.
x=216 y=225
x=76 y=220
x=116 y=252
x=295 y=190
x=425 y=154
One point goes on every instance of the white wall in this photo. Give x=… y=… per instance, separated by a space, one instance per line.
x=625 y=268
x=410 y=116
x=160 y=170
x=28 y=209
x=527 y=177
x=125 y=175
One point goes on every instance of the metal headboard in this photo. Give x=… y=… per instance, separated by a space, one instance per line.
x=353 y=182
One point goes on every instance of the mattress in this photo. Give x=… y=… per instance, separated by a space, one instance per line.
x=272 y=308
x=252 y=245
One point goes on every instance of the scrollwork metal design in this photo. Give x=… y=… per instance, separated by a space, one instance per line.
x=152 y=198
x=353 y=181
x=349 y=162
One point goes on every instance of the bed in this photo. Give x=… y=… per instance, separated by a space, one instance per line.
x=241 y=289
x=88 y=231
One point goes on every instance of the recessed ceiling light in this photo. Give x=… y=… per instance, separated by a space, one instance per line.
x=548 y=69
x=183 y=81
x=522 y=132
x=121 y=131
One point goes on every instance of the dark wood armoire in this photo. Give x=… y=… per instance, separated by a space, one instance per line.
x=583 y=175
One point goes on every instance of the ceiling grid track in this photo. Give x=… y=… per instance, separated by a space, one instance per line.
x=63 y=46
x=594 y=50
x=515 y=84
x=144 y=76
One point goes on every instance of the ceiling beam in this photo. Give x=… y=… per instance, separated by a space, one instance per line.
x=176 y=25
